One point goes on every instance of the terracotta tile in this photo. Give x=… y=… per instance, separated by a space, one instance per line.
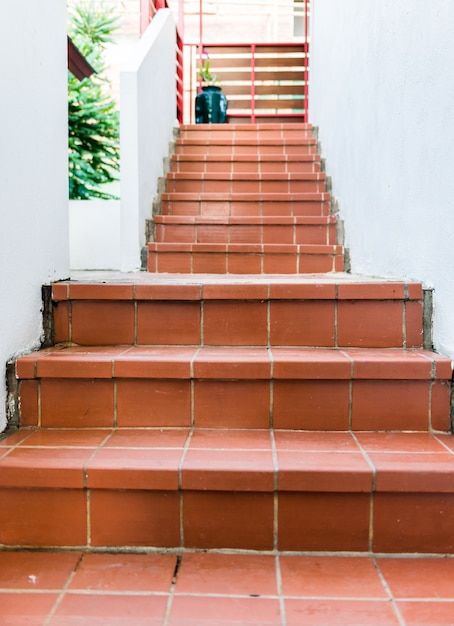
x=227 y=574
x=36 y=570
x=25 y=515
x=390 y=405
x=323 y=471
x=175 y=232
x=173 y=262
x=153 y=403
x=374 y=324
x=91 y=362
x=61 y=322
x=168 y=323
x=235 y=291
x=26 y=609
x=312 y=521
x=420 y=443
x=112 y=609
x=317 y=441
x=76 y=403
x=121 y=468
x=44 y=467
x=148 y=438
x=67 y=438
x=135 y=518
x=413 y=325
x=210 y=263
x=413 y=472
x=212 y=233
x=29 y=407
x=228 y=611
x=232 y=404
x=311 y=290
x=278 y=234
x=232 y=470
x=390 y=364
x=371 y=291
x=15 y=438
x=311 y=405
x=228 y=520
x=418 y=577
x=102 y=323
x=340 y=612
x=155 y=362
x=125 y=572
x=26 y=365
x=310 y=363
x=440 y=406
x=152 y=260
x=330 y=577
x=60 y=291
x=244 y=263
x=235 y=323
x=430 y=613
x=170 y=291
x=442 y=365
x=101 y=291
x=230 y=439
x=216 y=186
x=394 y=522
x=245 y=233
x=294 y=323
x=232 y=363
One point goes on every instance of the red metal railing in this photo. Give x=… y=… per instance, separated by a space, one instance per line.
x=262 y=81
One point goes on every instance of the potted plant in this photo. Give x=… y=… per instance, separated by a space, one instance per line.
x=210 y=103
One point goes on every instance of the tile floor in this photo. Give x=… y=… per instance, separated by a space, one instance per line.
x=223 y=589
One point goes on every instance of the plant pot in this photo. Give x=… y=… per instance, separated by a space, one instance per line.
x=210 y=106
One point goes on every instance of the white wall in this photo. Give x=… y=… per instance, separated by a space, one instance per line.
x=382 y=94
x=94 y=234
x=33 y=169
x=147 y=118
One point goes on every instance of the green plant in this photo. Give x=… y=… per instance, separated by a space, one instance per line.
x=93 y=119
x=204 y=73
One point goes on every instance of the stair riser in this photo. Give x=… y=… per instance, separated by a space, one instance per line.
x=275 y=234
x=237 y=150
x=231 y=166
x=329 y=404
x=245 y=208
x=239 y=186
x=308 y=521
x=242 y=263
x=242 y=134
x=329 y=323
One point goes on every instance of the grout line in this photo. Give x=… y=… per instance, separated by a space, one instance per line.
x=58 y=601
x=275 y=492
x=172 y=590
x=404 y=323
x=388 y=591
x=180 y=485
x=279 y=591
x=373 y=491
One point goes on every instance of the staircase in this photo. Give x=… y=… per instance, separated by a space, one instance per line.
x=244 y=394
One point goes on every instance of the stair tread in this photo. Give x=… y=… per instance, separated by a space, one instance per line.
x=220 y=460
x=242 y=362
x=245 y=220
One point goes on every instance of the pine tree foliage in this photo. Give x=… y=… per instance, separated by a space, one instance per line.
x=93 y=119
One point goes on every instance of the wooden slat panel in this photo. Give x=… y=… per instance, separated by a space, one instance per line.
x=211 y=50
x=275 y=103
x=280 y=75
x=274 y=90
x=280 y=49
x=279 y=62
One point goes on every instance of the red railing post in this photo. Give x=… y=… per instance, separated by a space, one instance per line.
x=253 y=49
x=306 y=60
